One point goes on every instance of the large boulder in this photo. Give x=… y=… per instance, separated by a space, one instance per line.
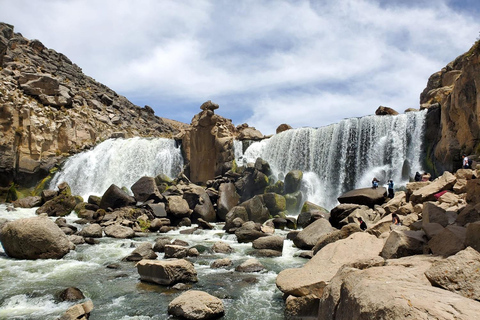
x=341 y=212
x=34 y=238
x=472 y=237
x=448 y=241
x=432 y=213
x=473 y=191
x=458 y=273
x=250 y=265
x=403 y=243
x=166 y=272
x=398 y=290
x=427 y=193
x=336 y=235
x=249 y=232
x=311 y=212
x=308 y=237
x=115 y=197
x=269 y=242
x=59 y=206
x=93 y=230
x=199 y=201
x=178 y=207
x=227 y=199
x=256 y=209
x=194 y=304
x=143 y=251
x=317 y=272
x=28 y=202
x=236 y=212
x=119 y=232
x=145 y=189
x=275 y=203
x=293 y=180
x=364 y=196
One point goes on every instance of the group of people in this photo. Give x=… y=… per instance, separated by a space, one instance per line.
x=391 y=192
x=395 y=221
x=422 y=177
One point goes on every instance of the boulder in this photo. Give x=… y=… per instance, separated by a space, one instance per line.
x=293 y=180
x=269 y=242
x=145 y=189
x=398 y=200
x=157 y=223
x=427 y=193
x=115 y=197
x=458 y=273
x=178 y=207
x=256 y=209
x=364 y=196
x=432 y=229
x=227 y=199
x=466 y=174
x=91 y=231
x=75 y=239
x=341 y=212
x=71 y=294
x=221 y=263
x=308 y=237
x=384 y=111
x=448 y=241
x=59 y=206
x=34 y=238
x=28 y=202
x=175 y=251
x=221 y=247
x=250 y=265
x=432 y=213
x=234 y=213
x=119 y=232
x=460 y=186
x=160 y=242
x=194 y=304
x=294 y=201
x=401 y=243
x=283 y=127
x=199 y=201
x=166 y=272
x=143 y=251
x=473 y=191
x=336 y=235
x=311 y=212
x=412 y=186
x=305 y=307
x=381 y=226
x=398 y=290
x=275 y=203
x=317 y=272
x=78 y=312
x=157 y=209
x=472 y=237
x=470 y=213
x=250 y=133
x=249 y=232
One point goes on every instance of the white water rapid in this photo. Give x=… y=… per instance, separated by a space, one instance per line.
x=121 y=162
x=346 y=155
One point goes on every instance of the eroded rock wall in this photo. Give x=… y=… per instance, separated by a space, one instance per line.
x=49 y=109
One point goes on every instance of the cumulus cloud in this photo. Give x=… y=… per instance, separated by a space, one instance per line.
x=306 y=63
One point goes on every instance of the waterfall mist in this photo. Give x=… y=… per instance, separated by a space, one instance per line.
x=346 y=155
x=121 y=162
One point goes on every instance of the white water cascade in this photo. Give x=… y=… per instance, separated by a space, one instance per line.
x=346 y=155
x=121 y=162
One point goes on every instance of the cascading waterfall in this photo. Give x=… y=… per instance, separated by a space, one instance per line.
x=346 y=155
x=121 y=162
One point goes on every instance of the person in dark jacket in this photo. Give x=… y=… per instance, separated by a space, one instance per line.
x=391 y=193
x=363 y=225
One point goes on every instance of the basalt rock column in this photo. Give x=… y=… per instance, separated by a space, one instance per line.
x=208 y=144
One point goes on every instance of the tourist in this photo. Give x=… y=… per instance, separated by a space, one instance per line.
x=466 y=164
x=375 y=183
x=426 y=176
x=363 y=225
x=418 y=176
x=396 y=219
x=391 y=193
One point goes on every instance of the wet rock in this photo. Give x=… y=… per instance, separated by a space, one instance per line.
x=59 y=206
x=28 y=202
x=115 y=197
x=34 y=238
x=269 y=242
x=159 y=245
x=227 y=199
x=178 y=207
x=236 y=212
x=311 y=212
x=194 y=304
x=221 y=263
x=143 y=251
x=92 y=231
x=71 y=294
x=256 y=209
x=175 y=251
x=293 y=180
x=166 y=272
x=221 y=247
x=249 y=231
x=119 y=232
x=250 y=265
x=145 y=189
x=78 y=311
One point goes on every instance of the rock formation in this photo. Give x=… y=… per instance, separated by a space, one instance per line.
x=453 y=119
x=49 y=109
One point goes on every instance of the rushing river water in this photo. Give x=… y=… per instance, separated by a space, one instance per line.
x=28 y=288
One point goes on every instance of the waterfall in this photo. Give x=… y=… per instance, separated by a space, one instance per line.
x=121 y=162
x=346 y=155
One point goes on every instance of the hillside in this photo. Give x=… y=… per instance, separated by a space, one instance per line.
x=49 y=110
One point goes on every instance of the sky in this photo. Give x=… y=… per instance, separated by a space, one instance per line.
x=265 y=62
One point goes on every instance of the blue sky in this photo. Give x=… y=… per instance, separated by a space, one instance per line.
x=305 y=63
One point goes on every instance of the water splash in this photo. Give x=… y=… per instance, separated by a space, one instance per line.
x=121 y=162
x=346 y=155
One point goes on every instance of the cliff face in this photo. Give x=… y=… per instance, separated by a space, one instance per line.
x=49 y=109
x=452 y=94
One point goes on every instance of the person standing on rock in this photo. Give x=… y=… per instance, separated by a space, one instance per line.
x=396 y=219
x=375 y=183
x=363 y=225
x=391 y=193
x=466 y=164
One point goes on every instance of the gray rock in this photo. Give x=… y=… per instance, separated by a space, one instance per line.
x=269 y=242
x=250 y=265
x=115 y=197
x=227 y=199
x=194 y=304
x=143 y=251
x=92 y=231
x=364 y=196
x=166 y=272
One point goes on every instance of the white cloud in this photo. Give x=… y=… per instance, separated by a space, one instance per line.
x=306 y=63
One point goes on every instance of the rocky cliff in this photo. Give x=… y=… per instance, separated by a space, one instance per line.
x=49 y=109
x=453 y=121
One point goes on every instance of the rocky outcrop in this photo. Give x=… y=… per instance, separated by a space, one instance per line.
x=49 y=109
x=453 y=123
x=34 y=238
